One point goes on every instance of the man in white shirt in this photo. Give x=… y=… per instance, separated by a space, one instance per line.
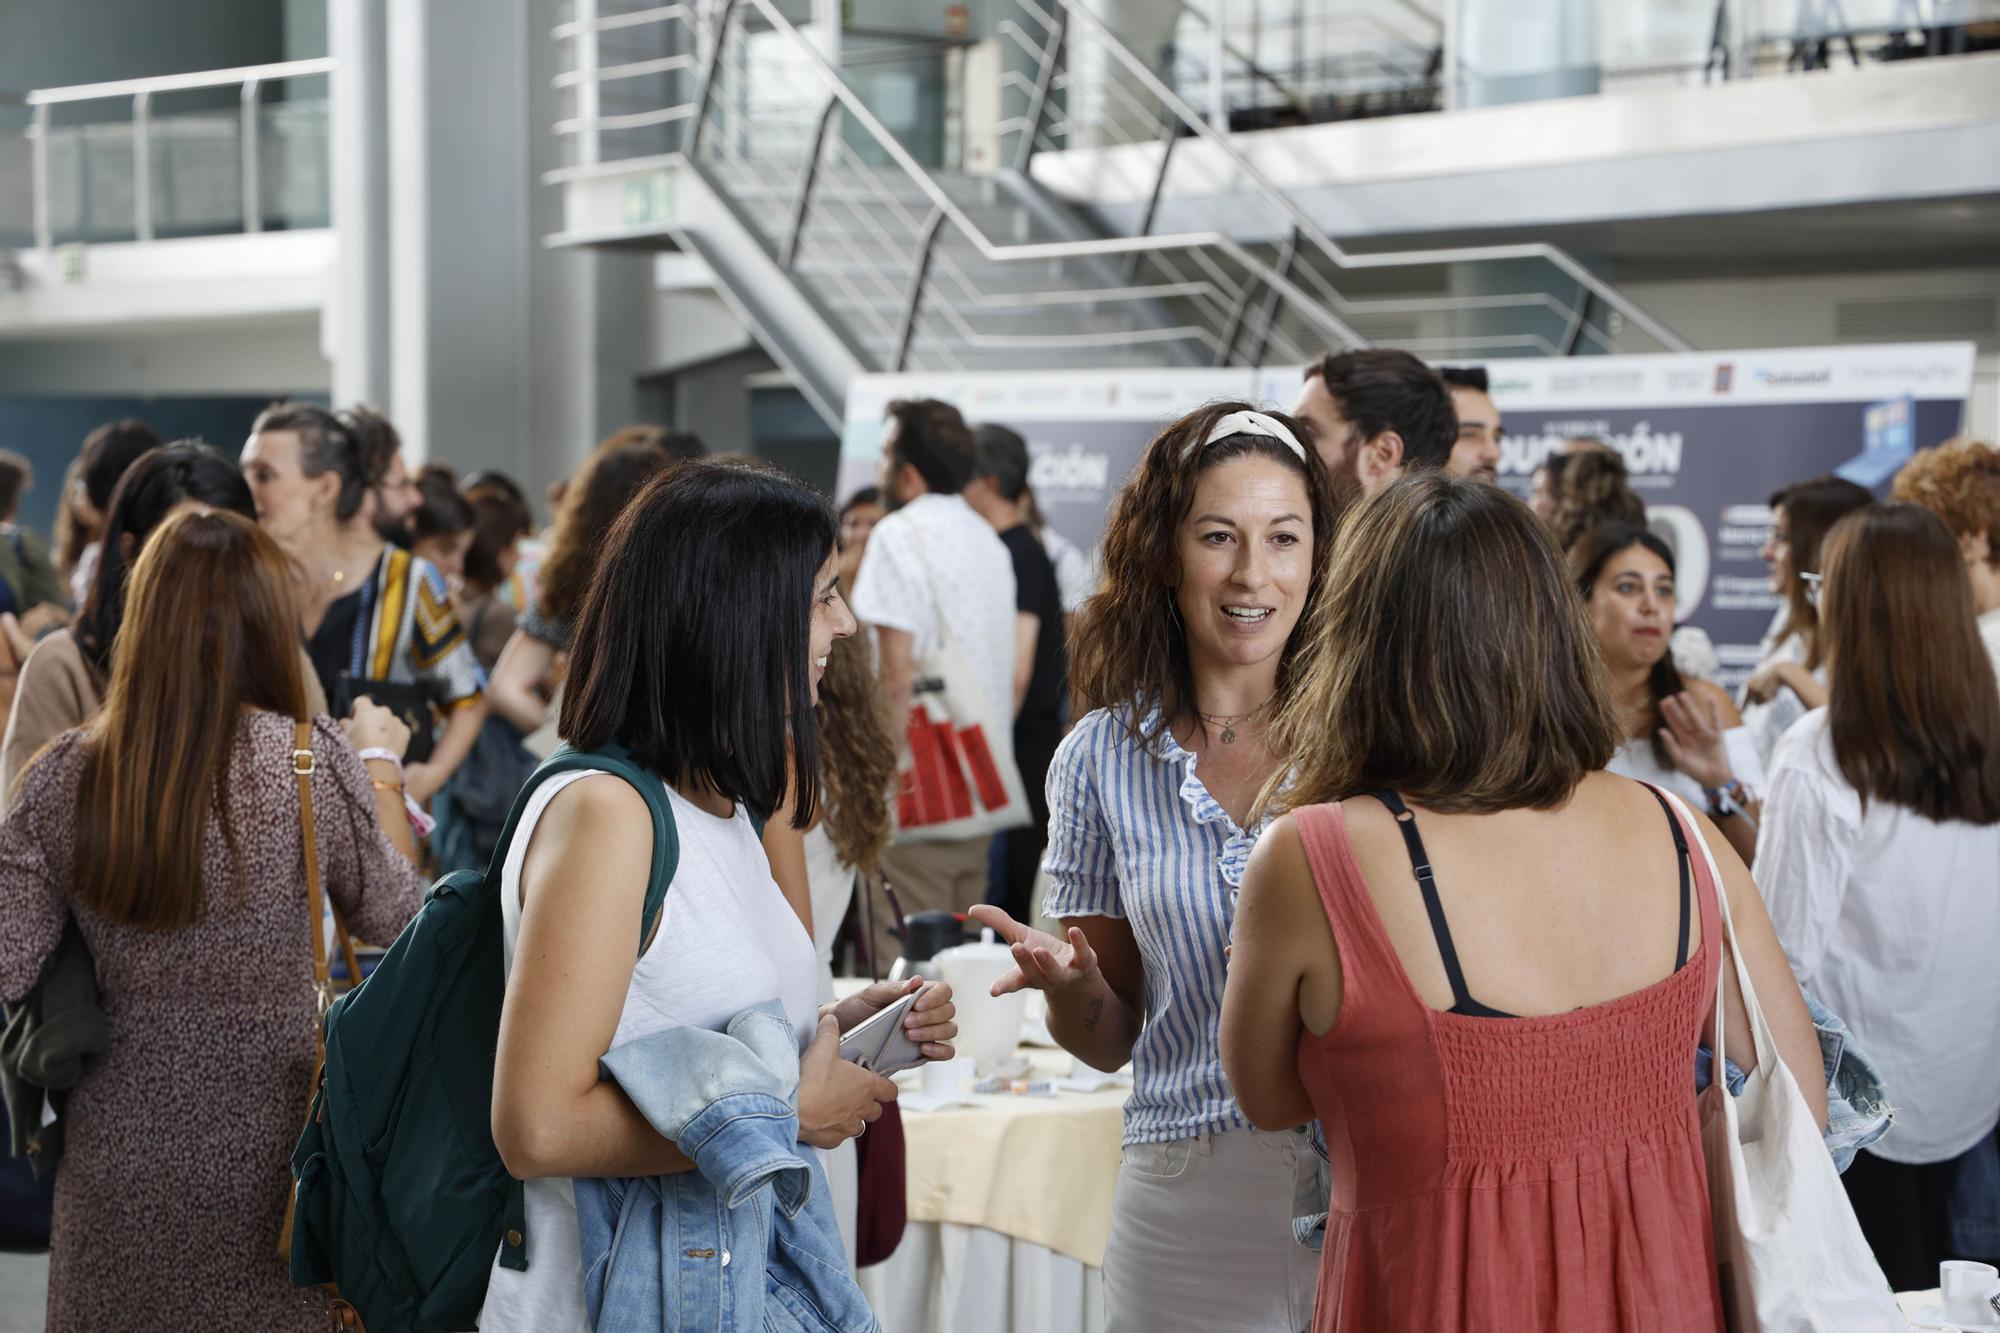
x=1376 y=411
x=934 y=566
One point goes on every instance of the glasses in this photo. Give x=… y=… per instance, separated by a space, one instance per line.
x=1810 y=582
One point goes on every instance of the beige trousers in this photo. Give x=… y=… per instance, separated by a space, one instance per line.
x=1201 y=1236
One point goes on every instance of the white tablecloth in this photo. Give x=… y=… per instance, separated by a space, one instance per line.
x=946 y=1278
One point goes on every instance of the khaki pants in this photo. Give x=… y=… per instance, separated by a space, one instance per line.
x=1201 y=1236
x=927 y=877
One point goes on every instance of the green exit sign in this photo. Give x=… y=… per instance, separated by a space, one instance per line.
x=649 y=200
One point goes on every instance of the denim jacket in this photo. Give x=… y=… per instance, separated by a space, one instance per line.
x=1857 y=1108
x=747 y=1240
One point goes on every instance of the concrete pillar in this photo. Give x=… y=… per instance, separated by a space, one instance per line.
x=355 y=333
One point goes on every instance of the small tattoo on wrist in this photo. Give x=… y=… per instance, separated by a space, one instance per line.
x=1096 y=1012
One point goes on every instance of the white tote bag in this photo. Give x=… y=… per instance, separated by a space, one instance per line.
x=1790 y=1255
x=956 y=777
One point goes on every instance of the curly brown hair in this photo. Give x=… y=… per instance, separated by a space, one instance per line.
x=613 y=474
x=1128 y=648
x=857 y=755
x=1593 y=488
x=1959 y=481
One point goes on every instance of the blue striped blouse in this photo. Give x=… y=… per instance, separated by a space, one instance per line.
x=1134 y=834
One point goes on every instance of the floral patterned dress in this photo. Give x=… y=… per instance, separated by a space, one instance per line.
x=175 y=1169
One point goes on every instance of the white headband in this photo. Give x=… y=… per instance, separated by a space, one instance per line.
x=1250 y=423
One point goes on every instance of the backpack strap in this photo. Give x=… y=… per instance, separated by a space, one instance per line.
x=611 y=759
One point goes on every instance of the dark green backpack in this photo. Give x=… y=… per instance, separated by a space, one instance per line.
x=403 y=1200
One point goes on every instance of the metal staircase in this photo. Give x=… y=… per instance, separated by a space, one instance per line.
x=723 y=128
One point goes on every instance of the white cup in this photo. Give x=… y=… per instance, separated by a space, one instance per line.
x=989 y=1027
x=946 y=1078
x=1968 y=1289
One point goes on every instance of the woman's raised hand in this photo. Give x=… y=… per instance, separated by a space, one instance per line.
x=1693 y=738
x=1041 y=961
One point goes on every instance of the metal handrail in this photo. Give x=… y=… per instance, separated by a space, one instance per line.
x=964 y=225
x=1297 y=216
x=250 y=79
x=178 y=83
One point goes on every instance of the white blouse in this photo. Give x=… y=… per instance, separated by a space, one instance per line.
x=1893 y=920
x=1772 y=718
x=1635 y=759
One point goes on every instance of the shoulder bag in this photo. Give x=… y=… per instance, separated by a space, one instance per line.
x=1790 y=1256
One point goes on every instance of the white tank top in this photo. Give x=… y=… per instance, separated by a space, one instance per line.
x=727 y=940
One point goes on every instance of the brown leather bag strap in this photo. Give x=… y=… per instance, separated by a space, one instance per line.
x=303 y=764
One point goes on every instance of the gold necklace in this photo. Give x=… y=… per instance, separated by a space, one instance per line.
x=339 y=575
x=1228 y=724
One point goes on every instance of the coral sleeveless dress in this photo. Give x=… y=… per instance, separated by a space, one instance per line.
x=1499 y=1173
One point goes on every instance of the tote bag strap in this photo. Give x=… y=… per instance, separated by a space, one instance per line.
x=1763 y=1043
x=945 y=635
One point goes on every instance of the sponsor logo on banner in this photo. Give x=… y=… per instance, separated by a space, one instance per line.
x=1068 y=471
x=1646 y=454
x=1793 y=378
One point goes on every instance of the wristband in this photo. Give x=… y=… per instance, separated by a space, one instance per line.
x=1728 y=799
x=386 y=755
x=421 y=824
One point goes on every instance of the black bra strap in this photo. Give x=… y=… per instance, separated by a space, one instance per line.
x=1420 y=865
x=1687 y=894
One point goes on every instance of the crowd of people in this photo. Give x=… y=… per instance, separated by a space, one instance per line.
x=1389 y=829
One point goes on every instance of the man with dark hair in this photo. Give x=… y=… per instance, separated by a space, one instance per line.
x=1374 y=412
x=935 y=571
x=1477 y=451
x=1041 y=662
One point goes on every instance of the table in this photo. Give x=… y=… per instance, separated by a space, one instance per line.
x=1009 y=1206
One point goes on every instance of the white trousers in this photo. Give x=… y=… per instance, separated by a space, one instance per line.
x=1201 y=1236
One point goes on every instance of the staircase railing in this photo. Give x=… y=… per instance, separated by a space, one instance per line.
x=910 y=268
x=234 y=168
x=908 y=264
x=1085 y=89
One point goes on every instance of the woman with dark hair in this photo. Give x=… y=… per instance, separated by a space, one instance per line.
x=1878 y=855
x=63 y=681
x=698 y=649
x=168 y=834
x=1482 y=962
x=377 y=620
x=525 y=677
x=859 y=514
x=1677 y=733
x=440 y=523
x=1215 y=550
x=472 y=809
x=500 y=522
x=1790 y=678
x=107 y=452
